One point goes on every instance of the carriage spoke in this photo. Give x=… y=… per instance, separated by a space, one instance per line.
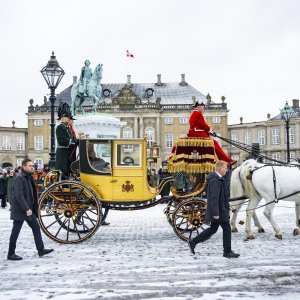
x=76 y=229
x=68 y=229
x=49 y=215
x=54 y=222
x=61 y=225
x=88 y=217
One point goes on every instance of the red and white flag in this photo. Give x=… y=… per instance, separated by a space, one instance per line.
x=128 y=54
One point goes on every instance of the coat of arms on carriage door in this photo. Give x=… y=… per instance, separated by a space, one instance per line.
x=127 y=187
x=195 y=154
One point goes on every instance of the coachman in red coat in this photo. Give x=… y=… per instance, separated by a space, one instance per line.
x=199 y=128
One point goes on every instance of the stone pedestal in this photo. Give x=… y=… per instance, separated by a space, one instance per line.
x=98 y=125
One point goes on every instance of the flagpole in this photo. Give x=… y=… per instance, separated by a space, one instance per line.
x=126 y=66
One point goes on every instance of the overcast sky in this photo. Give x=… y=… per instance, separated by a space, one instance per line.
x=246 y=50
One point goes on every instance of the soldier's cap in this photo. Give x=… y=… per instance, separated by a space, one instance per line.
x=198 y=103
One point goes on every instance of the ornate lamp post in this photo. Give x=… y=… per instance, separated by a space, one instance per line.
x=53 y=74
x=286 y=114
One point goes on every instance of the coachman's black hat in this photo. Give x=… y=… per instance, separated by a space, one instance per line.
x=198 y=103
x=64 y=111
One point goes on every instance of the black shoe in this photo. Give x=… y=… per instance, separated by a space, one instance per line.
x=44 y=252
x=14 y=257
x=191 y=246
x=231 y=254
x=105 y=223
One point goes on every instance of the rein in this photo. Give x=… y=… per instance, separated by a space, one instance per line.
x=276 y=201
x=248 y=149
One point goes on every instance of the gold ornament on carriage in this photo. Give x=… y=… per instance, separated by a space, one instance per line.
x=195 y=154
x=127 y=187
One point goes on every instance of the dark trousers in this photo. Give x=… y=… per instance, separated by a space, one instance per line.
x=35 y=227
x=3 y=201
x=207 y=233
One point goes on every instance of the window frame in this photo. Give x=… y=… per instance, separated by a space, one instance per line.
x=166 y=140
x=35 y=142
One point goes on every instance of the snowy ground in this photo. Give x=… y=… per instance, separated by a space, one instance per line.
x=139 y=257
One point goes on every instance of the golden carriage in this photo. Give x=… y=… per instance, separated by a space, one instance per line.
x=113 y=175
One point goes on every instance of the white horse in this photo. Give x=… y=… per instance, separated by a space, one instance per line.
x=273 y=182
x=241 y=186
x=94 y=91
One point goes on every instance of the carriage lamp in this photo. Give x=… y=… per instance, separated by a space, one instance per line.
x=52 y=74
x=286 y=114
x=155 y=151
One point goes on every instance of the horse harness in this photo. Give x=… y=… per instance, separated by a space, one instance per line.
x=274 y=184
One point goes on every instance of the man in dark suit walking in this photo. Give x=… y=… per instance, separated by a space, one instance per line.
x=24 y=208
x=217 y=211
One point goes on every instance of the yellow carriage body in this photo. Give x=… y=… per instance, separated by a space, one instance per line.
x=124 y=179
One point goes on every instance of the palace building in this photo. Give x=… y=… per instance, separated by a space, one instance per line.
x=159 y=110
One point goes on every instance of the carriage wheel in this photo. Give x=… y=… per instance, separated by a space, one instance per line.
x=69 y=212
x=169 y=210
x=188 y=217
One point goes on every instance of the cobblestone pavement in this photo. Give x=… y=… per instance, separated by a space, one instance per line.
x=139 y=257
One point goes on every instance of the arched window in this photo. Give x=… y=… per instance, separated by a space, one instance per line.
x=127 y=133
x=150 y=133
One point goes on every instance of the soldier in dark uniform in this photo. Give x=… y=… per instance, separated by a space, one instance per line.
x=65 y=140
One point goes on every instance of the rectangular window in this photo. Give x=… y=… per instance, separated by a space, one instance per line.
x=38 y=142
x=182 y=135
x=38 y=162
x=235 y=136
x=6 y=143
x=275 y=136
x=292 y=156
x=38 y=123
x=261 y=137
x=169 y=140
x=292 y=135
x=216 y=120
x=183 y=120
x=19 y=162
x=20 y=143
x=248 y=138
x=168 y=121
x=276 y=156
x=128 y=159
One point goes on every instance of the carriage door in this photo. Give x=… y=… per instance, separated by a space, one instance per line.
x=128 y=175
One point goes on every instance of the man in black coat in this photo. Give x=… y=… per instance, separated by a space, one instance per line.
x=24 y=208
x=217 y=211
x=65 y=140
x=3 y=186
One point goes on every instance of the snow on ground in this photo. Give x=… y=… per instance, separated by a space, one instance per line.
x=139 y=257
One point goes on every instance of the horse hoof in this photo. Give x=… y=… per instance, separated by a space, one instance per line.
x=279 y=236
x=296 y=232
x=241 y=222
x=234 y=230
x=250 y=237
x=261 y=230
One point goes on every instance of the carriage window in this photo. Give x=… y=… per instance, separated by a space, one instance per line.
x=129 y=158
x=99 y=156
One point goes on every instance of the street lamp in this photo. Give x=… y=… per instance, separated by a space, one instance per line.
x=53 y=74
x=286 y=114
